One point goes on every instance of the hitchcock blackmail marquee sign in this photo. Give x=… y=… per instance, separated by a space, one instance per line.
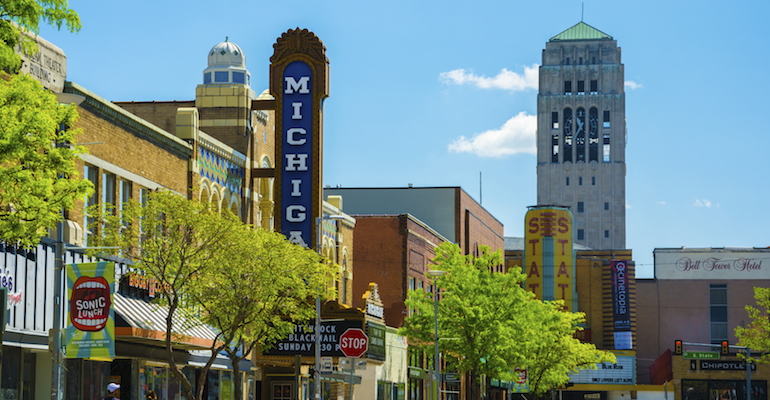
x=299 y=81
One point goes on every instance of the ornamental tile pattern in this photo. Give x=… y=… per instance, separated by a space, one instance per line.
x=221 y=171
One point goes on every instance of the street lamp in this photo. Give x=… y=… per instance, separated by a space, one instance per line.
x=319 y=242
x=435 y=274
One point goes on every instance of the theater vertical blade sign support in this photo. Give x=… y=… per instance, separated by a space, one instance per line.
x=91 y=322
x=299 y=81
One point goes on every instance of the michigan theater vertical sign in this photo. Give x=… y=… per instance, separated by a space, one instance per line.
x=299 y=82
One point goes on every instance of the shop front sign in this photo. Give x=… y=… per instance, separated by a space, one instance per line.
x=376 y=333
x=725 y=365
x=713 y=264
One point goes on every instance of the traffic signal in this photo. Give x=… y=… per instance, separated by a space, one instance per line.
x=725 y=347
x=678 y=347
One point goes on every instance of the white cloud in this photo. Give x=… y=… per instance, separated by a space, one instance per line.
x=661 y=202
x=516 y=136
x=632 y=85
x=702 y=203
x=506 y=79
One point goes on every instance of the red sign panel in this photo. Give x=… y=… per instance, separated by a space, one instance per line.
x=354 y=343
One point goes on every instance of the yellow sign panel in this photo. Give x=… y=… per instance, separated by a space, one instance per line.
x=548 y=257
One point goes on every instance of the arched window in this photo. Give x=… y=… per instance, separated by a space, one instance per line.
x=593 y=134
x=344 y=278
x=567 y=153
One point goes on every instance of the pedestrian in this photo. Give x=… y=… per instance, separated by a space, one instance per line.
x=111 y=389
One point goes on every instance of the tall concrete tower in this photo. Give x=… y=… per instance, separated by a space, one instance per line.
x=581 y=134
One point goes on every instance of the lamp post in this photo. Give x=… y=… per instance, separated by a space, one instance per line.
x=319 y=247
x=435 y=274
x=57 y=389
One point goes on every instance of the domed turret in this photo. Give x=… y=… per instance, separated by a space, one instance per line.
x=227 y=65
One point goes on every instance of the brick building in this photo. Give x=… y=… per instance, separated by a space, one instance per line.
x=699 y=296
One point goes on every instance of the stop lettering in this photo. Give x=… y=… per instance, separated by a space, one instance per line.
x=354 y=342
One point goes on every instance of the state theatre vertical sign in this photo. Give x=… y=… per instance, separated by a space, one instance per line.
x=549 y=260
x=299 y=82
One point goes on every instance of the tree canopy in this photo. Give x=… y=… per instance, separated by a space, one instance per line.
x=756 y=336
x=38 y=173
x=249 y=284
x=492 y=325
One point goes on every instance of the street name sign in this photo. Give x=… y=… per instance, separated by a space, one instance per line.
x=700 y=355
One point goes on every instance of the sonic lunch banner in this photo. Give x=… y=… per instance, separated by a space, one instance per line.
x=91 y=328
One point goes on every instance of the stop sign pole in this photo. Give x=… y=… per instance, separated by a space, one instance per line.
x=353 y=344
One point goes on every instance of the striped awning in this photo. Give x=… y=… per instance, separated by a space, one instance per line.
x=147 y=322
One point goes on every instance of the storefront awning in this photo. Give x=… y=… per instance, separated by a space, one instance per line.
x=139 y=321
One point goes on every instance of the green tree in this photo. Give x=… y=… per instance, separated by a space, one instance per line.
x=756 y=336
x=212 y=268
x=19 y=16
x=270 y=286
x=555 y=353
x=38 y=174
x=493 y=325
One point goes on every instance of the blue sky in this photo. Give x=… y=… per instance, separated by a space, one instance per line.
x=435 y=93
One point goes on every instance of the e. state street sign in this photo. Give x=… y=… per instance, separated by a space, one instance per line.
x=354 y=342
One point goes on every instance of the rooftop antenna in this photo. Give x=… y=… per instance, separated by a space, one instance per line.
x=481 y=199
x=582 y=10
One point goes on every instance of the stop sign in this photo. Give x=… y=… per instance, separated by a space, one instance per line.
x=354 y=343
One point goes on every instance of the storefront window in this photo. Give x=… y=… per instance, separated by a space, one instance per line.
x=722 y=390
x=9 y=383
x=213 y=385
x=227 y=385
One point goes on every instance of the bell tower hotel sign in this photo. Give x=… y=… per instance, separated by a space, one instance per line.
x=712 y=263
x=299 y=82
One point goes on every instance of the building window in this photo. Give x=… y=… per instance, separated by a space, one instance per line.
x=555 y=148
x=593 y=181
x=606 y=233
x=606 y=119
x=580 y=60
x=221 y=76
x=567 y=61
x=606 y=149
x=580 y=206
x=567 y=87
x=594 y=86
x=606 y=206
x=239 y=77
x=554 y=120
x=581 y=87
x=92 y=174
x=593 y=60
x=718 y=305
x=567 y=145
x=568 y=181
x=593 y=134
x=207 y=78
x=581 y=234
x=580 y=138
x=580 y=181
x=125 y=197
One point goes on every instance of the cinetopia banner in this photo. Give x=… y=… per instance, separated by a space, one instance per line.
x=621 y=313
x=91 y=329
